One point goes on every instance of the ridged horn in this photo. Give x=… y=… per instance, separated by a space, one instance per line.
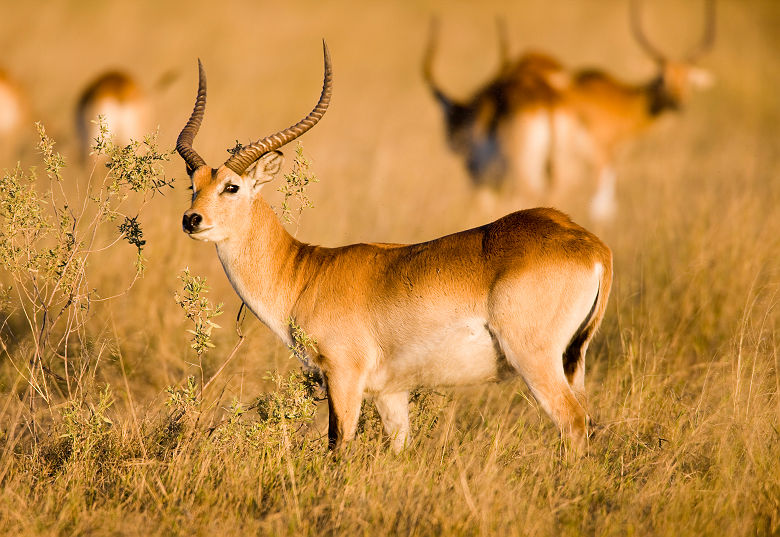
x=639 y=34
x=708 y=37
x=240 y=161
x=187 y=134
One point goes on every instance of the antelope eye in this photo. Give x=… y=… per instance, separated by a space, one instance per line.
x=231 y=189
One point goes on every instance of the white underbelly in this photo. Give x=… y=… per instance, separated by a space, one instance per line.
x=458 y=354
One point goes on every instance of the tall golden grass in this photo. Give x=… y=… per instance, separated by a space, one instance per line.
x=683 y=377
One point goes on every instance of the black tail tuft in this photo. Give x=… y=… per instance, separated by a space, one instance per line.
x=573 y=353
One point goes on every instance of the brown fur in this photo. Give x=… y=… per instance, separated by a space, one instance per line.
x=613 y=111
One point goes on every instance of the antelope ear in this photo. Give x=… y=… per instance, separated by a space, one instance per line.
x=264 y=169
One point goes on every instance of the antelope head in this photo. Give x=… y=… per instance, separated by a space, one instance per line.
x=222 y=198
x=471 y=127
x=676 y=78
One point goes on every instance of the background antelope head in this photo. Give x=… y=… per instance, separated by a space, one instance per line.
x=222 y=198
x=472 y=126
x=676 y=78
x=612 y=112
x=487 y=129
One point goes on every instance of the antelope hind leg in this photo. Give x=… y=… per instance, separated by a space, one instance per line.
x=394 y=410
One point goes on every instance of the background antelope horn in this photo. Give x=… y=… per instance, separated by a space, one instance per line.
x=430 y=51
x=708 y=38
x=644 y=42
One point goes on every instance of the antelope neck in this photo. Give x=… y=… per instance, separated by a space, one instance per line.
x=265 y=268
x=659 y=100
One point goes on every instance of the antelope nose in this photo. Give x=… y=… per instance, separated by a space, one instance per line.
x=191 y=221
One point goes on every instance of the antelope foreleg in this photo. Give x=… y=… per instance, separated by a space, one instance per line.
x=345 y=394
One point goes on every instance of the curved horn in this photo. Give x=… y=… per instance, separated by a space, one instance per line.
x=430 y=51
x=636 y=27
x=187 y=134
x=240 y=161
x=503 y=43
x=708 y=38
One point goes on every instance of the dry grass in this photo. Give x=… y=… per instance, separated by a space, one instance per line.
x=683 y=378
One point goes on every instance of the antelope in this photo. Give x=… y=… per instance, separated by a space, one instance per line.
x=503 y=129
x=117 y=97
x=522 y=295
x=547 y=104
x=13 y=106
x=612 y=112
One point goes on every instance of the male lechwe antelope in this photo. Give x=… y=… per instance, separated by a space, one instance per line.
x=612 y=112
x=523 y=294
x=117 y=97
x=504 y=128
x=534 y=112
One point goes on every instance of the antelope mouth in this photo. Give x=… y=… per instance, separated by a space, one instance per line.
x=198 y=234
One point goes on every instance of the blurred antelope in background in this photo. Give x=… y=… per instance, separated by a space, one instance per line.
x=522 y=295
x=612 y=112
x=534 y=112
x=117 y=97
x=503 y=129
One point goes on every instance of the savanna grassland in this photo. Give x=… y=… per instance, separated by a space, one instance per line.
x=103 y=428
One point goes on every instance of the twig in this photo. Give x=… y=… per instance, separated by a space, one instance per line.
x=239 y=320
